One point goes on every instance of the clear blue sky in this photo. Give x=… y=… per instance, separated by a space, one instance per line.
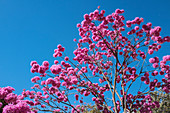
x=31 y=29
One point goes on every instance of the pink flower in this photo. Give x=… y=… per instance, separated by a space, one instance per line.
x=128 y=23
x=56 y=69
x=155 y=65
x=1 y=104
x=150 y=51
x=146 y=42
x=35 y=79
x=55 y=61
x=66 y=58
x=46 y=63
x=78 y=25
x=76 y=96
x=49 y=81
x=41 y=69
x=118 y=11
x=152 y=60
x=35 y=66
x=143 y=78
x=136 y=27
x=33 y=62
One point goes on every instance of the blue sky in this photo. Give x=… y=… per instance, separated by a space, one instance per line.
x=32 y=29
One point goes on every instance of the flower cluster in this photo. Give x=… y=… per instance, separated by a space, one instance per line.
x=11 y=103
x=39 y=69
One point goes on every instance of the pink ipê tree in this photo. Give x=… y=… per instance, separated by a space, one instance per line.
x=114 y=68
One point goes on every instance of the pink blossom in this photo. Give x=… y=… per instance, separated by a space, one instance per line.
x=56 y=69
x=46 y=63
x=152 y=60
x=33 y=62
x=1 y=104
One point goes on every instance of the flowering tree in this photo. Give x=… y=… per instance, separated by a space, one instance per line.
x=114 y=68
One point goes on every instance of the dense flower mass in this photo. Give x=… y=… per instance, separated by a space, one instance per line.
x=113 y=56
x=12 y=103
x=18 y=108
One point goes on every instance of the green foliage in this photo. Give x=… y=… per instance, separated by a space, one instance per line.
x=164 y=100
x=91 y=109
